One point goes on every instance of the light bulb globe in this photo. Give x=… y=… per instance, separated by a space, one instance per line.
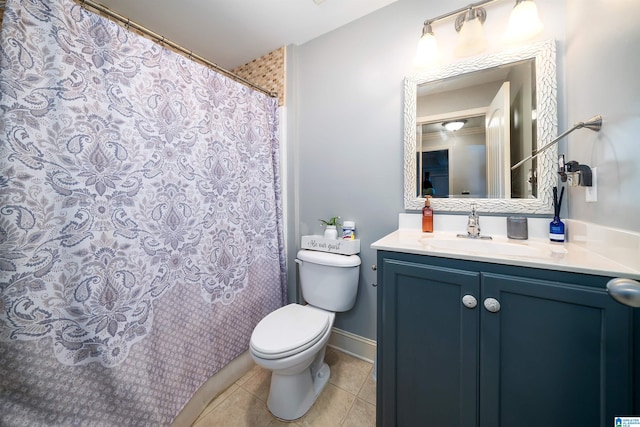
x=427 y=52
x=471 y=38
x=524 y=23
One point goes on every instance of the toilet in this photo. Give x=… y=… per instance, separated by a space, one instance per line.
x=291 y=341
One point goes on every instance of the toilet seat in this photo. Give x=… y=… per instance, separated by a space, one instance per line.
x=289 y=330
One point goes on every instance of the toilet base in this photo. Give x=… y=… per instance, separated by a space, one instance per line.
x=291 y=396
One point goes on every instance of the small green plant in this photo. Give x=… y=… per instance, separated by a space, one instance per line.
x=334 y=220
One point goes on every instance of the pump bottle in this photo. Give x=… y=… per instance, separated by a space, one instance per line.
x=427 y=216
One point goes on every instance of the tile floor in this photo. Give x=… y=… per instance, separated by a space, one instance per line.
x=347 y=401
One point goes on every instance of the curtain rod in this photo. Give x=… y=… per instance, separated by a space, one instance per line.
x=162 y=41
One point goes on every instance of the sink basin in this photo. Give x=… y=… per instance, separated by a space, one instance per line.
x=493 y=247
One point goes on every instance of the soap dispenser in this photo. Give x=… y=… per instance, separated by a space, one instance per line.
x=427 y=216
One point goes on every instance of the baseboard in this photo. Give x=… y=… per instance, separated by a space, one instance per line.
x=355 y=345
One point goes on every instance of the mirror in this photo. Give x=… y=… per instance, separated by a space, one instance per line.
x=507 y=105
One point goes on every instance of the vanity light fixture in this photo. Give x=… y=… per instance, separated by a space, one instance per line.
x=524 y=24
x=454 y=125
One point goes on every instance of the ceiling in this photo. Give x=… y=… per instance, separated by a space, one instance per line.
x=473 y=124
x=231 y=33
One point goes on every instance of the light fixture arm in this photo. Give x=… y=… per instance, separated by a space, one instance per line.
x=594 y=123
x=457 y=11
x=471 y=13
x=426 y=29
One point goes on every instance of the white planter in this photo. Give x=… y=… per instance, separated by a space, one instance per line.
x=331 y=232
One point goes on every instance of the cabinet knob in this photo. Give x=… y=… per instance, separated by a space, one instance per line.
x=469 y=301
x=625 y=291
x=492 y=305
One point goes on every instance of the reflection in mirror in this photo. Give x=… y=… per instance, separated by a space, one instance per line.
x=506 y=106
x=495 y=108
x=452 y=160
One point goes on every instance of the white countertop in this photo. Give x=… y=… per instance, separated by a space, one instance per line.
x=534 y=252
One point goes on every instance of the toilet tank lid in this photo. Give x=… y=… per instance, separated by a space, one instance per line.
x=328 y=258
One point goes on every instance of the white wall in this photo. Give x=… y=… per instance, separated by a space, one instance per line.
x=348 y=100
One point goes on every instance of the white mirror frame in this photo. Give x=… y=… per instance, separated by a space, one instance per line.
x=544 y=54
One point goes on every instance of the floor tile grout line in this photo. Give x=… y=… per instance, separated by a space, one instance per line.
x=253 y=394
x=247 y=379
x=359 y=388
x=366 y=378
x=346 y=416
x=205 y=412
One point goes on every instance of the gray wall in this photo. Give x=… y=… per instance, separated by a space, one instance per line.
x=345 y=137
x=603 y=67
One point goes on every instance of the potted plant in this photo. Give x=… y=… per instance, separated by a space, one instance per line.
x=331 y=230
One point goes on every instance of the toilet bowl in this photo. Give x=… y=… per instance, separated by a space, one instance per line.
x=294 y=352
x=291 y=341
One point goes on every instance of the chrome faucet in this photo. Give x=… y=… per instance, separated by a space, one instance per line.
x=473 y=225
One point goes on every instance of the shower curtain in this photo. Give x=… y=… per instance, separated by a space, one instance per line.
x=140 y=221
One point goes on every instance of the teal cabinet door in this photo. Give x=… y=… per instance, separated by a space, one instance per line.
x=555 y=354
x=429 y=345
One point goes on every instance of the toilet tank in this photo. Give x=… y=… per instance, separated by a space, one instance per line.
x=329 y=281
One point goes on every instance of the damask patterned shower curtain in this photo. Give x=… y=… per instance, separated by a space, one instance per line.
x=140 y=221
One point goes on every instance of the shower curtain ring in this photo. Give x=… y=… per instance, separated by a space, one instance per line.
x=128 y=23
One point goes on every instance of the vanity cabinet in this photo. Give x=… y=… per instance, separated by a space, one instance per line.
x=549 y=349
